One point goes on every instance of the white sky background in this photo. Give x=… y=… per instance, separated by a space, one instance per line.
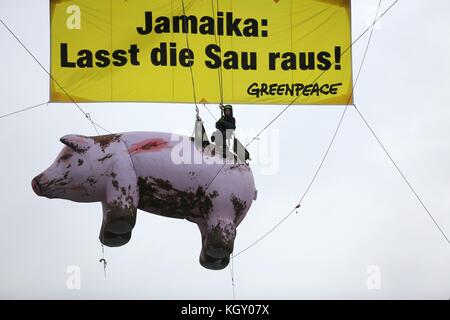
x=359 y=213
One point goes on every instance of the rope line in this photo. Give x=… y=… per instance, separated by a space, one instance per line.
x=219 y=71
x=233 y=285
x=212 y=115
x=220 y=55
x=325 y=156
x=402 y=175
x=87 y=115
x=190 y=64
x=266 y=234
x=23 y=110
x=322 y=73
x=41 y=65
x=103 y=260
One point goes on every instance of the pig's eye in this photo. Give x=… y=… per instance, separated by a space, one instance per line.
x=65 y=157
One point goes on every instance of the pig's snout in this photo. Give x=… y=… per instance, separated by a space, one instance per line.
x=37 y=186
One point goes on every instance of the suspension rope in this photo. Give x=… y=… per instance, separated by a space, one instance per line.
x=190 y=64
x=23 y=110
x=87 y=115
x=219 y=71
x=325 y=156
x=103 y=260
x=41 y=65
x=322 y=73
x=233 y=285
x=207 y=109
x=402 y=175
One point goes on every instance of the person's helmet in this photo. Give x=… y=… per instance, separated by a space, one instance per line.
x=227 y=107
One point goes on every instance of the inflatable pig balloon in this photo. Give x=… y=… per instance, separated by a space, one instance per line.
x=159 y=173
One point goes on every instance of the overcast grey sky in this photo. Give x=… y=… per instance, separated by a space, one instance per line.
x=358 y=214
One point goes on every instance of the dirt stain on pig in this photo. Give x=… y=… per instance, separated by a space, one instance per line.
x=160 y=197
x=191 y=175
x=163 y=184
x=222 y=236
x=239 y=207
x=121 y=211
x=66 y=175
x=240 y=166
x=91 y=180
x=108 y=156
x=115 y=184
x=65 y=157
x=80 y=162
x=105 y=140
x=81 y=189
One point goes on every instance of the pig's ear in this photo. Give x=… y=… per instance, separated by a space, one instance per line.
x=78 y=143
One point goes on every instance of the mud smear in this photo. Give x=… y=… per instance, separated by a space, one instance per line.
x=106 y=140
x=108 y=156
x=158 y=196
x=239 y=207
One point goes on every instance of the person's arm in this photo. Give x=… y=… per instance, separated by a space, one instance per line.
x=220 y=124
x=229 y=124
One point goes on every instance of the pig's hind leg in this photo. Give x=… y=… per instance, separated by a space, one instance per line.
x=112 y=239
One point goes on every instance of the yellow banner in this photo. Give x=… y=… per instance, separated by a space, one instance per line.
x=235 y=51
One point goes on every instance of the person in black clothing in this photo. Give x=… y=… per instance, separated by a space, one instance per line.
x=227 y=121
x=225 y=125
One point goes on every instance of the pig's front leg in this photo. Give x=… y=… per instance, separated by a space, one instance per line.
x=119 y=218
x=120 y=205
x=220 y=235
x=207 y=261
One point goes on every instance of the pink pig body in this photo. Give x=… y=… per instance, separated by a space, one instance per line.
x=159 y=173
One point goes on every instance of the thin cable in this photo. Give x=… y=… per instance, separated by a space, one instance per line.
x=220 y=55
x=266 y=234
x=106 y=130
x=325 y=156
x=190 y=64
x=402 y=175
x=219 y=71
x=103 y=260
x=346 y=107
x=397 y=167
x=212 y=180
x=322 y=73
x=40 y=64
x=400 y=172
x=290 y=104
x=23 y=110
x=87 y=115
x=233 y=285
x=111 y=46
x=212 y=115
